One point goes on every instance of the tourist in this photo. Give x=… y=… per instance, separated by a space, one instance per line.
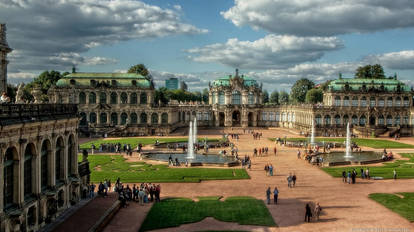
x=289 y=180
x=367 y=174
x=348 y=178
x=4 y=98
x=274 y=150
x=344 y=176
x=353 y=176
x=266 y=168
x=317 y=211
x=141 y=195
x=271 y=170
x=92 y=190
x=298 y=154
x=93 y=148
x=275 y=195
x=362 y=173
x=109 y=185
x=157 y=193
x=395 y=174
x=308 y=213
x=268 y=192
x=294 y=179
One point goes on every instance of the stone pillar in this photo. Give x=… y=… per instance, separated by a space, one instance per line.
x=210 y=98
x=159 y=118
x=227 y=100
x=217 y=116
x=245 y=99
x=255 y=115
x=19 y=177
x=217 y=98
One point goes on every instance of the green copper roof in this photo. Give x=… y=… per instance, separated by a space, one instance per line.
x=109 y=79
x=351 y=84
x=225 y=81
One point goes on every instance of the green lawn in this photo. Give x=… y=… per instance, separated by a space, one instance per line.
x=404 y=168
x=135 y=141
x=177 y=211
x=403 y=206
x=373 y=143
x=114 y=166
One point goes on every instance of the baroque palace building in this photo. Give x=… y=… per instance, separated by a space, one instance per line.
x=40 y=175
x=123 y=104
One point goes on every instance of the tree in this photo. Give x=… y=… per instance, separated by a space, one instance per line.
x=324 y=86
x=283 y=97
x=299 y=90
x=265 y=97
x=370 y=72
x=44 y=81
x=161 y=95
x=205 y=95
x=274 y=97
x=314 y=96
x=140 y=69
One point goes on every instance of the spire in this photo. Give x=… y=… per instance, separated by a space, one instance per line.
x=237 y=72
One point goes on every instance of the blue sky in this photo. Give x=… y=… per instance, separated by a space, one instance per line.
x=275 y=41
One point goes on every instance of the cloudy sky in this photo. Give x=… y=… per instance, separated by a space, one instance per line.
x=274 y=41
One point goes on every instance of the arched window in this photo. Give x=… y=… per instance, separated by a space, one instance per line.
x=8 y=177
x=114 y=119
x=82 y=98
x=327 y=120
x=337 y=120
x=337 y=101
x=363 y=102
x=102 y=98
x=154 y=118
x=354 y=120
x=406 y=102
x=103 y=118
x=235 y=100
x=114 y=98
x=372 y=102
x=250 y=98
x=164 y=118
x=398 y=102
x=92 y=117
x=133 y=99
x=397 y=120
x=29 y=153
x=71 y=155
x=389 y=102
x=405 y=120
x=389 y=120
x=345 y=119
x=362 y=120
x=143 y=98
x=124 y=118
x=143 y=118
x=318 y=119
x=206 y=116
x=44 y=164
x=134 y=118
x=355 y=101
x=221 y=98
x=92 y=98
x=277 y=117
x=381 y=121
x=124 y=98
x=264 y=116
x=381 y=102
x=59 y=160
x=83 y=121
x=346 y=101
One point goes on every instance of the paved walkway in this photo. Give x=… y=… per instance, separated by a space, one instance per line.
x=345 y=207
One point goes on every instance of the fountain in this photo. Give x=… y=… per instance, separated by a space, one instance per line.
x=190 y=147
x=312 y=142
x=348 y=142
x=195 y=131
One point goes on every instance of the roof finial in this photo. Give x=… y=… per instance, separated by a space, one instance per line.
x=73 y=69
x=237 y=72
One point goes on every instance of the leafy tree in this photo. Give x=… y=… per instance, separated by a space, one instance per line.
x=314 y=96
x=299 y=90
x=205 y=95
x=11 y=92
x=140 y=69
x=283 y=97
x=161 y=95
x=265 y=97
x=44 y=81
x=370 y=72
x=324 y=86
x=274 y=97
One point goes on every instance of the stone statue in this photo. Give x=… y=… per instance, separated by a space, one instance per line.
x=19 y=94
x=37 y=93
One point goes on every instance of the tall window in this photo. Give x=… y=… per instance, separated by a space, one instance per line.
x=235 y=100
x=102 y=98
x=92 y=98
x=406 y=102
x=397 y=120
x=389 y=102
x=354 y=120
x=381 y=102
x=82 y=98
x=92 y=117
x=103 y=118
x=71 y=154
x=264 y=116
x=346 y=101
x=327 y=120
x=277 y=117
x=114 y=98
x=143 y=98
x=8 y=177
x=164 y=118
x=337 y=120
x=355 y=102
x=28 y=164
x=154 y=118
x=398 y=102
x=372 y=102
x=124 y=98
x=59 y=159
x=124 y=118
x=318 y=119
x=389 y=120
x=143 y=118
x=362 y=120
x=83 y=120
x=133 y=98
x=114 y=118
x=250 y=98
x=221 y=98
x=363 y=102
x=381 y=120
x=134 y=118
x=44 y=160
x=337 y=101
x=345 y=119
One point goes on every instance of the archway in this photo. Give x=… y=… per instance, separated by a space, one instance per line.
x=372 y=120
x=236 y=118
x=221 y=119
x=250 y=119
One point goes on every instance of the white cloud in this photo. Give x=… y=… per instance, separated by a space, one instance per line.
x=321 y=17
x=394 y=60
x=272 y=51
x=44 y=30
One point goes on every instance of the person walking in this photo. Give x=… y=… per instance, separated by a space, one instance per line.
x=298 y=154
x=294 y=179
x=274 y=150
x=348 y=178
x=367 y=174
x=317 y=211
x=275 y=195
x=395 y=174
x=308 y=213
x=271 y=170
x=344 y=176
x=289 y=180
x=268 y=192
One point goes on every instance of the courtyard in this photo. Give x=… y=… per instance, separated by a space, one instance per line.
x=346 y=207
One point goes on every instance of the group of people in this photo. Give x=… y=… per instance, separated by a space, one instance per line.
x=316 y=212
x=269 y=169
x=275 y=195
x=256 y=135
x=144 y=193
x=291 y=179
x=386 y=156
x=262 y=151
x=103 y=188
x=4 y=99
x=246 y=162
x=116 y=148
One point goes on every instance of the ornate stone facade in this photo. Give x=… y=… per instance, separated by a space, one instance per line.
x=4 y=49
x=40 y=174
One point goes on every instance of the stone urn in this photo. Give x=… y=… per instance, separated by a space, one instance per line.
x=37 y=93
